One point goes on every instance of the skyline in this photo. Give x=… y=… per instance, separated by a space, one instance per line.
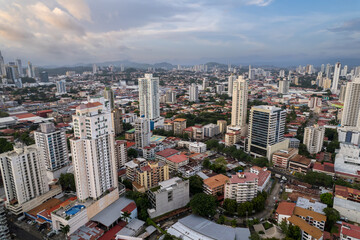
x=66 y=32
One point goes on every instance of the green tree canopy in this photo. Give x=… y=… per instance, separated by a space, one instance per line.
x=196 y=184
x=327 y=198
x=132 y=153
x=5 y=146
x=203 y=205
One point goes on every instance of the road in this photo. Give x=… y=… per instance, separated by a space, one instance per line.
x=21 y=233
x=270 y=203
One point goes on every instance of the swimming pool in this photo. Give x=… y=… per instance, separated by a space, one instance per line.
x=75 y=209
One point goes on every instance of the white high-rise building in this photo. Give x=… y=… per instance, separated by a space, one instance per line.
x=193 y=93
x=95 y=69
x=242 y=187
x=4 y=230
x=322 y=70
x=344 y=71
x=266 y=128
x=314 y=139
x=149 y=99
x=30 y=70
x=142 y=132
x=351 y=112
x=231 y=80
x=53 y=150
x=170 y=96
x=120 y=153
x=239 y=102
x=23 y=174
x=282 y=73
x=61 y=87
x=93 y=151
x=250 y=73
x=205 y=83
x=284 y=85
x=335 y=82
x=2 y=66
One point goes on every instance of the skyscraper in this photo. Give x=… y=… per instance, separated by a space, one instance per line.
x=116 y=118
x=231 y=80
x=61 y=87
x=328 y=70
x=109 y=95
x=2 y=66
x=120 y=153
x=193 y=93
x=19 y=67
x=322 y=70
x=351 y=111
x=344 y=71
x=93 y=151
x=4 y=230
x=149 y=99
x=44 y=76
x=53 y=150
x=30 y=70
x=23 y=174
x=205 y=83
x=239 y=102
x=284 y=86
x=314 y=138
x=266 y=128
x=335 y=82
x=142 y=132
x=94 y=68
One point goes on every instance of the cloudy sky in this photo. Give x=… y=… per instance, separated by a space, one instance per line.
x=59 y=32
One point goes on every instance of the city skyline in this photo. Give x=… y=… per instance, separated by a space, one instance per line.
x=273 y=32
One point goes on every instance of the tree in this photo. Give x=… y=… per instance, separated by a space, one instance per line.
x=255 y=236
x=230 y=205
x=65 y=229
x=196 y=184
x=212 y=144
x=3 y=114
x=206 y=163
x=327 y=198
x=5 y=146
x=132 y=153
x=126 y=216
x=261 y=162
x=203 y=205
x=332 y=146
x=293 y=232
x=67 y=182
x=221 y=219
x=332 y=216
x=233 y=223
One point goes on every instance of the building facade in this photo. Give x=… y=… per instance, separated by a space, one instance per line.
x=242 y=187
x=351 y=112
x=149 y=99
x=142 y=132
x=314 y=139
x=239 y=102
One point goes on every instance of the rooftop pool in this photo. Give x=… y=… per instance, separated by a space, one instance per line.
x=74 y=210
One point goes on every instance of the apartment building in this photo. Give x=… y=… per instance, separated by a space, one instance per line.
x=215 y=185
x=150 y=175
x=120 y=153
x=179 y=125
x=281 y=158
x=242 y=187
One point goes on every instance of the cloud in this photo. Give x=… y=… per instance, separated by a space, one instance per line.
x=78 y=8
x=348 y=26
x=260 y=3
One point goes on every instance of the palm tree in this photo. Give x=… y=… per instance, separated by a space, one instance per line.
x=126 y=216
x=65 y=229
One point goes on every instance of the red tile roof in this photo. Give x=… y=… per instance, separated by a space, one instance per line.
x=263 y=175
x=24 y=115
x=178 y=158
x=129 y=144
x=167 y=152
x=249 y=177
x=286 y=208
x=326 y=167
x=350 y=230
x=129 y=208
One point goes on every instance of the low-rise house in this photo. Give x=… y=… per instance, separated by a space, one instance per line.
x=164 y=154
x=313 y=218
x=284 y=211
x=281 y=158
x=349 y=232
x=177 y=161
x=197 y=147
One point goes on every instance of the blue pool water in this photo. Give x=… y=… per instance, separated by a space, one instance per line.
x=75 y=209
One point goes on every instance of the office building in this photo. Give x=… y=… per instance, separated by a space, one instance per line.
x=335 y=82
x=116 y=118
x=149 y=99
x=222 y=125
x=172 y=194
x=314 y=138
x=239 y=102
x=179 y=126
x=231 y=80
x=328 y=70
x=109 y=96
x=53 y=151
x=193 y=93
x=150 y=176
x=11 y=73
x=284 y=85
x=142 y=132
x=120 y=153
x=61 y=87
x=351 y=111
x=44 y=76
x=266 y=128
x=24 y=176
x=93 y=151
x=242 y=187
x=19 y=67
x=2 y=66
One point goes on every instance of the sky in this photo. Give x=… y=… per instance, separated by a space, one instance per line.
x=65 y=32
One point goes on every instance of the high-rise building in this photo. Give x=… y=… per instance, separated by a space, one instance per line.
x=342 y=93
x=179 y=126
x=116 y=118
x=242 y=187
x=149 y=99
x=44 y=76
x=205 y=83
x=120 y=153
x=314 y=138
x=266 y=128
x=250 y=73
x=93 y=151
x=231 y=80
x=61 y=87
x=220 y=88
x=170 y=96
x=335 y=82
x=94 y=69
x=142 y=132
x=193 y=93
x=109 y=95
x=322 y=70
x=53 y=150
x=222 y=125
x=151 y=175
x=328 y=70
x=344 y=71
x=351 y=110
x=23 y=174
x=282 y=73
x=239 y=102
x=11 y=73
x=19 y=67
x=30 y=71
x=4 y=230
x=2 y=66
x=284 y=85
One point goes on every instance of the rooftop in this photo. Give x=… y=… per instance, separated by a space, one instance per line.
x=88 y=105
x=216 y=181
x=87 y=232
x=178 y=158
x=243 y=177
x=310 y=204
x=286 y=208
x=304 y=226
x=298 y=211
x=301 y=160
x=350 y=230
x=167 y=152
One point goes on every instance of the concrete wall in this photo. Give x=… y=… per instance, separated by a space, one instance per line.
x=102 y=203
x=348 y=209
x=284 y=145
x=75 y=222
